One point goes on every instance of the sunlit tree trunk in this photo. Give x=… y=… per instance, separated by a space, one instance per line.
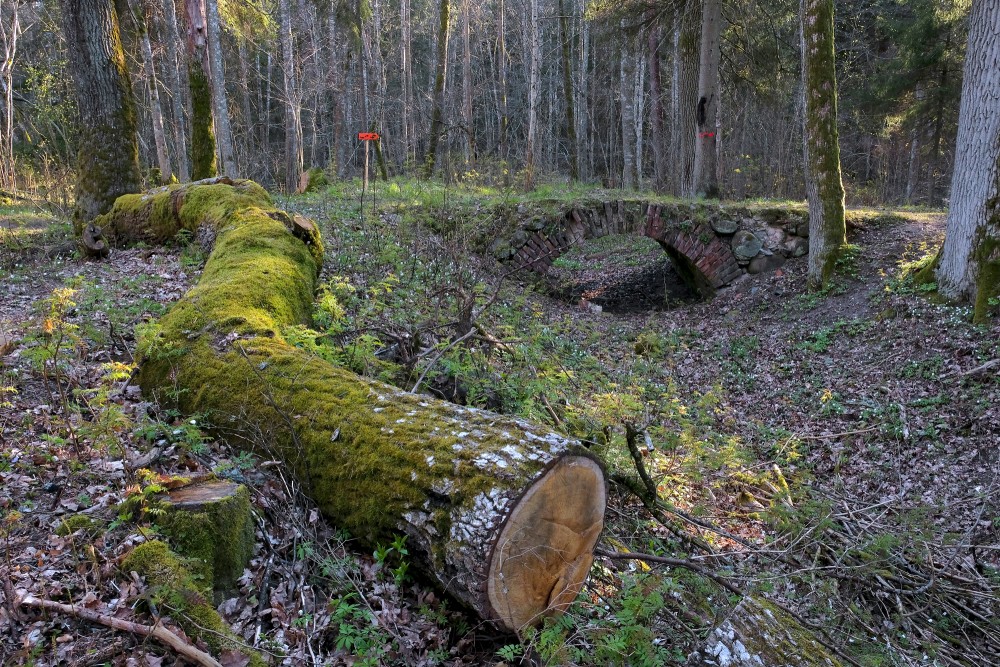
x=440 y=81
x=504 y=118
x=706 y=177
x=293 y=122
x=969 y=262
x=108 y=159
x=220 y=103
x=824 y=187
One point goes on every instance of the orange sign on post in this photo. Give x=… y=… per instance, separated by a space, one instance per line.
x=368 y=136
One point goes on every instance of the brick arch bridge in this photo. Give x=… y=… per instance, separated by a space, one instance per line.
x=709 y=245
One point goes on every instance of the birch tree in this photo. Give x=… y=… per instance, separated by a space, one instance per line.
x=969 y=261
x=293 y=119
x=821 y=143
x=533 y=44
x=10 y=30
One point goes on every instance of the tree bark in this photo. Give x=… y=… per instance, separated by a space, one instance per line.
x=706 y=176
x=220 y=103
x=625 y=100
x=567 y=66
x=969 y=261
x=440 y=81
x=656 y=106
x=503 y=513
x=149 y=70
x=108 y=159
x=177 y=84
x=10 y=30
x=533 y=47
x=467 y=111
x=684 y=94
x=406 y=58
x=203 y=162
x=293 y=121
x=821 y=144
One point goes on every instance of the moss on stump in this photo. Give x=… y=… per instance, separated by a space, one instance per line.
x=184 y=597
x=502 y=512
x=211 y=523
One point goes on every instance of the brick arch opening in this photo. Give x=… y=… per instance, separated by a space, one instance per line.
x=700 y=256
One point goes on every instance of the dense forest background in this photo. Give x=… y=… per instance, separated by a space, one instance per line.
x=531 y=89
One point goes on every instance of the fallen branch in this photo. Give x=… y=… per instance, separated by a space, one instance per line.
x=157 y=630
x=993 y=363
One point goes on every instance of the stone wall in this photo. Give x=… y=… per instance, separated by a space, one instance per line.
x=710 y=244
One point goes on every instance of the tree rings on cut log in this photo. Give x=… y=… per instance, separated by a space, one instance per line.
x=93 y=241
x=545 y=550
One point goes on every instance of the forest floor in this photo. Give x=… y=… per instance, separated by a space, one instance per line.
x=833 y=452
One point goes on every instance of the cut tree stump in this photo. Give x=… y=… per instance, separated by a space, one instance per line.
x=211 y=523
x=503 y=513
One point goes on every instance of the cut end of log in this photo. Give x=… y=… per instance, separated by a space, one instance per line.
x=545 y=550
x=93 y=243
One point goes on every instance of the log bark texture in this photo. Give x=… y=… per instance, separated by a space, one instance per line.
x=503 y=513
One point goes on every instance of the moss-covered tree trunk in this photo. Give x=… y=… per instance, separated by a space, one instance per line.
x=969 y=262
x=821 y=143
x=108 y=159
x=503 y=513
x=203 y=163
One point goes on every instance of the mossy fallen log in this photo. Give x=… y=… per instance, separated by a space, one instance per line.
x=501 y=512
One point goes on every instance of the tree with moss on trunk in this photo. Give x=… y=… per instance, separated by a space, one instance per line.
x=706 y=173
x=821 y=145
x=108 y=158
x=968 y=264
x=203 y=163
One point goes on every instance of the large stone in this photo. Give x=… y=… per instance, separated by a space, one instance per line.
x=501 y=250
x=534 y=225
x=723 y=225
x=795 y=247
x=746 y=245
x=519 y=239
x=765 y=263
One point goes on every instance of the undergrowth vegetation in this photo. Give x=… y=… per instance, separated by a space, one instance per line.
x=829 y=452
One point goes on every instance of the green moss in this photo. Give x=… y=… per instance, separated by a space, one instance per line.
x=987 y=258
x=184 y=597
x=219 y=539
x=317 y=180
x=75 y=522
x=202 y=137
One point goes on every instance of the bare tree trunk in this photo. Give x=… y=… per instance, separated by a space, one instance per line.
x=440 y=81
x=220 y=105
x=824 y=187
x=248 y=133
x=406 y=58
x=639 y=107
x=656 y=103
x=149 y=71
x=706 y=176
x=533 y=45
x=293 y=122
x=626 y=102
x=108 y=160
x=567 y=65
x=178 y=85
x=467 y=115
x=10 y=30
x=684 y=94
x=969 y=261
x=504 y=118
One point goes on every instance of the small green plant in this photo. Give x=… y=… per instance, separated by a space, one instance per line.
x=358 y=632
x=396 y=553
